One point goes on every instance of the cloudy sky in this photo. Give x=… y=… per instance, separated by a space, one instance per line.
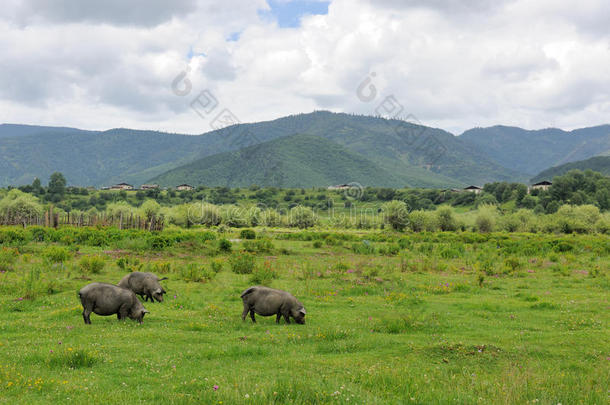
x=175 y=65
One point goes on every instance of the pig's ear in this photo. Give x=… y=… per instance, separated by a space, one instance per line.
x=302 y=310
x=159 y=291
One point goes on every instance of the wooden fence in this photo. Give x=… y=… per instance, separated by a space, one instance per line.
x=54 y=220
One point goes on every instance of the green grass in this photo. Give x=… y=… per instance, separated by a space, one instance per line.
x=414 y=327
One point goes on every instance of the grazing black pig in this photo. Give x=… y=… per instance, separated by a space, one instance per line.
x=146 y=285
x=108 y=299
x=268 y=301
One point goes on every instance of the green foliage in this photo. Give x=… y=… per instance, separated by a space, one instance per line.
x=242 y=263
x=396 y=214
x=197 y=273
x=92 y=264
x=8 y=257
x=263 y=275
x=19 y=206
x=56 y=254
x=247 y=234
x=224 y=245
x=446 y=219
x=302 y=217
x=72 y=359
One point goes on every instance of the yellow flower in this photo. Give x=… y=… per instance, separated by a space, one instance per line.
x=69 y=349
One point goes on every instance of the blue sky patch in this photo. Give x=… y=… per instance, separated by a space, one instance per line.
x=288 y=13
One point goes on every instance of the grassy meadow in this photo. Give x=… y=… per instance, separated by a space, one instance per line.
x=392 y=318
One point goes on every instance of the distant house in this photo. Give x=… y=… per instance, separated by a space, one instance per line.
x=184 y=187
x=149 y=186
x=473 y=189
x=339 y=187
x=122 y=186
x=543 y=185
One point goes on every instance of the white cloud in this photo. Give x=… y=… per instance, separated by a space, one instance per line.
x=452 y=64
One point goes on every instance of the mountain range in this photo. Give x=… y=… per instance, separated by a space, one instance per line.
x=314 y=149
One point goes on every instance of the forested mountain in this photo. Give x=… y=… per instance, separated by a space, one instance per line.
x=411 y=155
x=597 y=164
x=532 y=151
x=294 y=161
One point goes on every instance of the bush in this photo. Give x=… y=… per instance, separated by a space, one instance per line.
x=8 y=256
x=258 y=246
x=216 y=265
x=56 y=254
x=396 y=213
x=242 y=263
x=247 y=234
x=196 y=273
x=446 y=219
x=224 y=245
x=129 y=264
x=302 y=217
x=92 y=264
x=264 y=274
x=486 y=218
x=159 y=242
x=234 y=216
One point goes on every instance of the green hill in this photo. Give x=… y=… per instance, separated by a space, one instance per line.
x=533 y=151
x=415 y=155
x=599 y=164
x=293 y=161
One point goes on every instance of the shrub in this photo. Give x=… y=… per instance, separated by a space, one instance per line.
x=363 y=248
x=258 y=246
x=216 y=265
x=446 y=219
x=264 y=274
x=129 y=264
x=271 y=218
x=242 y=263
x=317 y=244
x=56 y=254
x=247 y=234
x=224 y=245
x=196 y=273
x=158 y=242
x=486 y=218
x=302 y=217
x=396 y=213
x=92 y=264
x=234 y=216
x=8 y=256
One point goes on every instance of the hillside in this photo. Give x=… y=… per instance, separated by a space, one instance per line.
x=294 y=161
x=419 y=156
x=415 y=155
x=597 y=164
x=533 y=151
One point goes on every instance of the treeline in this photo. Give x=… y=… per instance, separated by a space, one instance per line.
x=574 y=188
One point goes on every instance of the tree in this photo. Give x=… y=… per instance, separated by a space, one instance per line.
x=57 y=187
x=396 y=214
x=302 y=217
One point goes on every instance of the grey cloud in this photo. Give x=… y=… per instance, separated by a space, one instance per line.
x=112 y=12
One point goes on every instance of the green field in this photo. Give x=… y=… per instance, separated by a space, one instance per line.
x=454 y=317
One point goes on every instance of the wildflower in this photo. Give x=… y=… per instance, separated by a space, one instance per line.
x=349 y=271
x=59 y=342
x=215 y=387
x=51 y=351
x=247 y=396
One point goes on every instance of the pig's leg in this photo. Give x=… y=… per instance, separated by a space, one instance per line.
x=123 y=312
x=252 y=316
x=245 y=312
x=86 y=314
x=278 y=317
